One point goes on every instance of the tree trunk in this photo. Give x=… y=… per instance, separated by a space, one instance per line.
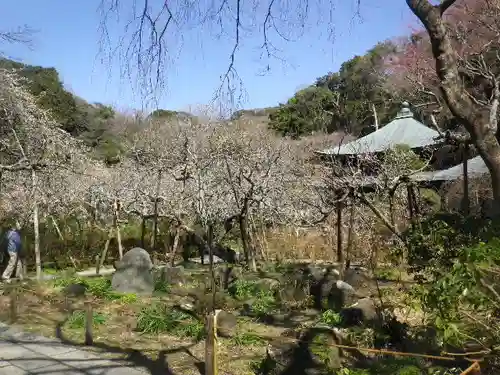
x=350 y=233
x=210 y=243
x=245 y=238
x=63 y=239
x=143 y=231
x=340 y=252
x=117 y=229
x=155 y=223
x=175 y=245
x=474 y=118
x=245 y=241
x=36 y=228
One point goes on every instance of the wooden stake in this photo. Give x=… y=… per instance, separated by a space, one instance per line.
x=106 y=247
x=89 y=319
x=211 y=344
x=13 y=305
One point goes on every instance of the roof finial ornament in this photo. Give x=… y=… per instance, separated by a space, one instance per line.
x=405 y=110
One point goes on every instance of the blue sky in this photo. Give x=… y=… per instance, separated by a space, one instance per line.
x=68 y=39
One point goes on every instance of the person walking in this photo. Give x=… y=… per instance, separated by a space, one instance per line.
x=13 y=245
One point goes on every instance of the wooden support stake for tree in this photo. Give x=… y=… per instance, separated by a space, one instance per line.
x=13 y=305
x=211 y=344
x=89 y=319
x=106 y=247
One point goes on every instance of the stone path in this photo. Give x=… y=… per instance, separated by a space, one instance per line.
x=27 y=354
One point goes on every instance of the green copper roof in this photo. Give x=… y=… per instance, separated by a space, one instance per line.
x=403 y=130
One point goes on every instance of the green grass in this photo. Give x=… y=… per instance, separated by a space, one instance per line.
x=162 y=286
x=99 y=287
x=77 y=319
x=160 y=318
x=247 y=339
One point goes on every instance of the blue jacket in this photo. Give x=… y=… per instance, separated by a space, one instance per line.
x=13 y=241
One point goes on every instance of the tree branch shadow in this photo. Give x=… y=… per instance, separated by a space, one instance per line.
x=138 y=359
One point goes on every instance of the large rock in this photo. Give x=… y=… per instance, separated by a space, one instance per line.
x=361 y=280
x=313 y=354
x=226 y=324
x=75 y=290
x=363 y=312
x=134 y=273
x=328 y=292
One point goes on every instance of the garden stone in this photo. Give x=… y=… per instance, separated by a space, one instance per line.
x=363 y=312
x=331 y=290
x=75 y=290
x=268 y=284
x=134 y=273
x=360 y=280
x=173 y=275
x=322 y=346
x=313 y=354
x=226 y=323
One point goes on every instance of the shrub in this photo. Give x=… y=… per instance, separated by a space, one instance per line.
x=244 y=289
x=330 y=318
x=462 y=301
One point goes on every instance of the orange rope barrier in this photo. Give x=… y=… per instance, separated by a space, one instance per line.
x=471 y=369
x=445 y=357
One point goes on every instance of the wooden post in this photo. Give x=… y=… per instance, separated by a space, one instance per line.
x=13 y=305
x=211 y=344
x=89 y=319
